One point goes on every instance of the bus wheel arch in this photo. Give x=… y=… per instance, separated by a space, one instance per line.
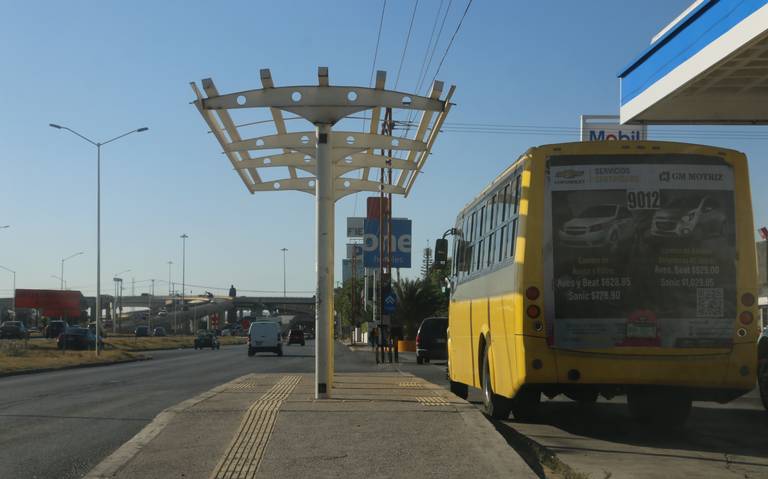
x=495 y=406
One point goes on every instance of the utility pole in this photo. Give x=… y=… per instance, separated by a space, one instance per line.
x=284 y=250
x=183 y=269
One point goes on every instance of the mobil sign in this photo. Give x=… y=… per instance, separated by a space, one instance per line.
x=400 y=239
x=608 y=128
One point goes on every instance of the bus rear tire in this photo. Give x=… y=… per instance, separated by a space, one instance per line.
x=495 y=406
x=667 y=409
x=762 y=381
x=525 y=404
x=460 y=389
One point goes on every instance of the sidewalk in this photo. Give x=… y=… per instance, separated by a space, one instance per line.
x=382 y=424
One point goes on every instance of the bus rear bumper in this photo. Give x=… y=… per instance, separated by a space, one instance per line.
x=706 y=377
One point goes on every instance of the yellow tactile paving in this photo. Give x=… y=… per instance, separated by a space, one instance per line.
x=243 y=456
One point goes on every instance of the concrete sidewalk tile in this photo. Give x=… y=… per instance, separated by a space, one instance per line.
x=379 y=424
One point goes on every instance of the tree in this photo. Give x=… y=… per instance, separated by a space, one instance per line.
x=416 y=299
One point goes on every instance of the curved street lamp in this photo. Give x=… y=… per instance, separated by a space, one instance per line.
x=98 y=146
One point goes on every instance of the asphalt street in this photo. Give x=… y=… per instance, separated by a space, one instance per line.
x=61 y=424
x=601 y=441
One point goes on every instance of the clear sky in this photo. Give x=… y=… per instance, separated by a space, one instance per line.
x=104 y=68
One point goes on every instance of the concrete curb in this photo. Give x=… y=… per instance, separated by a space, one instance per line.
x=74 y=366
x=118 y=459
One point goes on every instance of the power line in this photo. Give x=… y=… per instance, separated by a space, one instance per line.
x=405 y=47
x=437 y=41
x=469 y=4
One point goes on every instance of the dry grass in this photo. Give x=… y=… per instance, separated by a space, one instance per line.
x=21 y=356
x=40 y=353
x=167 y=342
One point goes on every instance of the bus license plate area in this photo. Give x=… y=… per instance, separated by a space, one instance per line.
x=640 y=330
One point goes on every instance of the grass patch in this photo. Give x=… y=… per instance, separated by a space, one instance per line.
x=166 y=342
x=18 y=356
x=41 y=353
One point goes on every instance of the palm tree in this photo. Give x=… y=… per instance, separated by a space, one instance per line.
x=416 y=299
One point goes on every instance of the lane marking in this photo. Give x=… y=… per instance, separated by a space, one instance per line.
x=244 y=454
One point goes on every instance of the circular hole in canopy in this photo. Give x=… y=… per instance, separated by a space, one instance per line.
x=352 y=96
x=296 y=96
x=241 y=99
x=276 y=185
x=350 y=140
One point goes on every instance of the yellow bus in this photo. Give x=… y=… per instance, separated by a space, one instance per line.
x=607 y=268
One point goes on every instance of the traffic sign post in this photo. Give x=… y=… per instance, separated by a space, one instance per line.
x=338 y=163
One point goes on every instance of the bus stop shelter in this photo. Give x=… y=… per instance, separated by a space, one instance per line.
x=708 y=66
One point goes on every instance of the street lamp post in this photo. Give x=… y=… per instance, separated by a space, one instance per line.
x=62 y=266
x=170 y=293
x=13 y=300
x=117 y=301
x=284 y=250
x=98 y=146
x=60 y=280
x=184 y=269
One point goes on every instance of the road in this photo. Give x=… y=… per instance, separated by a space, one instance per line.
x=61 y=424
x=601 y=441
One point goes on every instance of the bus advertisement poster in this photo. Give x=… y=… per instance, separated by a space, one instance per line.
x=643 y=251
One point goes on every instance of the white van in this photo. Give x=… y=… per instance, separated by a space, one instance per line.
x=264 y=336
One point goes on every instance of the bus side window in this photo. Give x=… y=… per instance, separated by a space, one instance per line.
x=517 y=194
x=491 y=249
x=480 y=251
x=502 y=245
x=482 y=221
x=472 y=227
x=512 y=237
x=492 y=213
x=504 y=199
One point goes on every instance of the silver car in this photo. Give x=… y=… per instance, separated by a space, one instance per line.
x=606 y=225
x=689 y=217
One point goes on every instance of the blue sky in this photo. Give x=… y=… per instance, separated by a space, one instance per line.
x=103 y=68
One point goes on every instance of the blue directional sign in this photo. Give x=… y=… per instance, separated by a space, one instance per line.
x=401 y=243
x=390 y=302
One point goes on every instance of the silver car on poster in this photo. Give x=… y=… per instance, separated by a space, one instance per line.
x=692 y=216
x=606 y=225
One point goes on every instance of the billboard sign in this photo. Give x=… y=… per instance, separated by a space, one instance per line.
x=608 y=128
x=355 y=227
x=401 y=243
x=643 y=251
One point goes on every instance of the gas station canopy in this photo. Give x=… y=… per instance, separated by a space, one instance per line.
x=709 y=66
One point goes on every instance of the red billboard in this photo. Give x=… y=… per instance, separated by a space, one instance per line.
x=51 y=302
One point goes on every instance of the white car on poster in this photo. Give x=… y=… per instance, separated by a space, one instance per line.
x=603 y=225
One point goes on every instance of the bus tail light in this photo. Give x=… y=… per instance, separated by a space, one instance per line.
x=746 y=318
x=748 y=299
x=533 y=311
x=532 y=293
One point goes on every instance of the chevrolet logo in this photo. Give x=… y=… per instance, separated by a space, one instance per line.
x=569 y=174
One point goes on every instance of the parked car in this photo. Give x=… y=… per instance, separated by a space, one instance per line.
x=264 y=336
x=432 y=340
x=13 y=330
x=606 y=225
x=206 y=339
x=102 y=329
x=162 y=313
x=296 y=336
x=689 y=216
x=78 y=338
x=141 y=331
x=159 y=332
x=55 y=328
x=762 y=366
